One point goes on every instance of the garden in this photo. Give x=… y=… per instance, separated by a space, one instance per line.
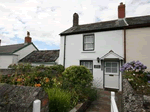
x=138 y=77
x=65 y=87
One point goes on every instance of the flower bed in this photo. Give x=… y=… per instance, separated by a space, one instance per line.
x=66 y=88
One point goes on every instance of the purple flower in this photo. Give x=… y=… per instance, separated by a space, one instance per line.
x=148 y=81
x=148 y=75
x=134 y=68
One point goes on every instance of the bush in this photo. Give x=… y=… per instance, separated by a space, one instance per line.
x=59 y=100
x=78 y=78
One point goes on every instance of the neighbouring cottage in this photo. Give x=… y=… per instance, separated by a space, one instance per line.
x=42 y=57
x=11 y=54
x=103 y=47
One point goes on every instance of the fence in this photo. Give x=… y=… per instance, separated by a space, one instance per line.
x=37 y=106
x=113 y=103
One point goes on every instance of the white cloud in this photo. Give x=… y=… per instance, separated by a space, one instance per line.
x=45 y=19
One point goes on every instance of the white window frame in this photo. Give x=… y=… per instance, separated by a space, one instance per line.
x=88 y=49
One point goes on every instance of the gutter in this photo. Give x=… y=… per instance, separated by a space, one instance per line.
x=64 y=50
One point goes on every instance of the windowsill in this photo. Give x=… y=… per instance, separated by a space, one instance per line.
x=88 y=51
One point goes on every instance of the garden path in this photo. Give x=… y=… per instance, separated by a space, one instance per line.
x=102 y=104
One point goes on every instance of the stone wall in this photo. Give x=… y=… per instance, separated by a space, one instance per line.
x=132 y=102
x=6 y=71
x=20 y=98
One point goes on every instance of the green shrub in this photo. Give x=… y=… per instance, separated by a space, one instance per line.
x=78 y=78
x=59 y=100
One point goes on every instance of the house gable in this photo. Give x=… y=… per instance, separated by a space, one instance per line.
x=111 y=55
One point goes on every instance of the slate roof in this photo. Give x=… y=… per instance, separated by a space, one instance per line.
x=41 y=56
x=10 y=49
x=107 y=25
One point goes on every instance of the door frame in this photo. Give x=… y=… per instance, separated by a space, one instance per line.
x=111 y=60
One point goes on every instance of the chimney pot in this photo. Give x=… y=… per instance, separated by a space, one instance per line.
x=121 y=10
x=75 y=19
x=28 y=38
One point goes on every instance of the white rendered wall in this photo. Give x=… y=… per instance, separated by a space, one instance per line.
x=38 y=64
x=25 y=51
x=15 y=59
x=5 y=61
x=104 y=42
x=61 y=52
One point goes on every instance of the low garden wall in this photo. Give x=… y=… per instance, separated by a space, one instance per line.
x=6 y=71
x=20 y=98
x=132 y=101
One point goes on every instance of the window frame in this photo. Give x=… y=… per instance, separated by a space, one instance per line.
x=93 y=42
x=87 y=61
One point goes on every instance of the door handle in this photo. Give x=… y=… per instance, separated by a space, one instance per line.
x=111 y=75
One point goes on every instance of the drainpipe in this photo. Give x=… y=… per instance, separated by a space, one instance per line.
x=124 y=45
x=64 y=50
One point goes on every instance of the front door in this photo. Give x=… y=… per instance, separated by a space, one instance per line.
x=111 y=75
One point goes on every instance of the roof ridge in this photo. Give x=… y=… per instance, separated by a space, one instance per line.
x=137 y=16
x=99 y=22
x=50 y=50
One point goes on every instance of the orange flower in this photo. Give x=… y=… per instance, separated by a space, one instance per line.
x=37 y=85
x=18 y=80
x=47 y=79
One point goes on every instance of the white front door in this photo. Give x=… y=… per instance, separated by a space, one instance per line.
x=111 y=75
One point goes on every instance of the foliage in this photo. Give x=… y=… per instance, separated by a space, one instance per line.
x=136 y=75
x=78 y=78
x=59 y=100
x=27 y=75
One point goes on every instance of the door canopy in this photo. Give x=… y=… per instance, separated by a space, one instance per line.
x=111 y=55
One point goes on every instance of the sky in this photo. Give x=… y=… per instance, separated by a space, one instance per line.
x=46 y=19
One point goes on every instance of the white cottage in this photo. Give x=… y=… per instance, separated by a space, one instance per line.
x=11 y=54
x=101 y=47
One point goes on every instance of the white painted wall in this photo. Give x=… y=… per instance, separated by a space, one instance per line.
x=61 y=52
x=5 y=61
x=15 y=59
x=25 y=51
x=38 y=64
x=104 y=42
x=57 y=61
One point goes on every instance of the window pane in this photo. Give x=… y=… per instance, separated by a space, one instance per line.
x=88 y=65
x=108 y=64
x=89 y=39
x=114 y=70
x=108 y=69
x=88 y=46
x=114 y=64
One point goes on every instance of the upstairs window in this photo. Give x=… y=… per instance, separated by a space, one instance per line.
x=88 y=42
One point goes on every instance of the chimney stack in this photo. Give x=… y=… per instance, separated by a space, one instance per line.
x=121 y=10
x=0 y=42
x=28 y=38
x=75 y=19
